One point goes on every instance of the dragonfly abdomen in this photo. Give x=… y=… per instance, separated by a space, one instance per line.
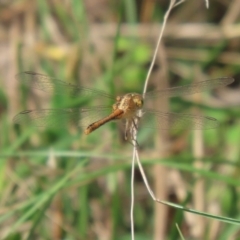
x=114 y=115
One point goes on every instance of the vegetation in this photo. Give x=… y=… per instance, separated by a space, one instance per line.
x=57 y=183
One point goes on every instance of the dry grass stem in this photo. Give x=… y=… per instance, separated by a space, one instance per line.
x=135 y=150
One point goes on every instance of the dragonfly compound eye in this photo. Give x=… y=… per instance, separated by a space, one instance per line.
x=138 y=102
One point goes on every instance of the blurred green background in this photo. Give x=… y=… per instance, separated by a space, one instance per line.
x=61 y=184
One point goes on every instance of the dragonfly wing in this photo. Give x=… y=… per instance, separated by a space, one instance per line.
x=168 y=120
x=191 y=88
x=56 y=118
x=53 y=85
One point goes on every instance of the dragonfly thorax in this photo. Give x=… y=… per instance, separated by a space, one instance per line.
x=129 y=103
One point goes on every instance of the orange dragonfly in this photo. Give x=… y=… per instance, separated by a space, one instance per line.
x=129 y=108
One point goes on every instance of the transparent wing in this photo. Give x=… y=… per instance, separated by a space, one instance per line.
x=56 y=118
x=191 y=88
x=168 y=120
x=53 y=85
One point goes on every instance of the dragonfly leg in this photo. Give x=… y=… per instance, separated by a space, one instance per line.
x=131 y=128
x=134 y=142
x=135 y=122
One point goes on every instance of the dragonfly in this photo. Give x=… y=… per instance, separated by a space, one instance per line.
x=129 y=108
